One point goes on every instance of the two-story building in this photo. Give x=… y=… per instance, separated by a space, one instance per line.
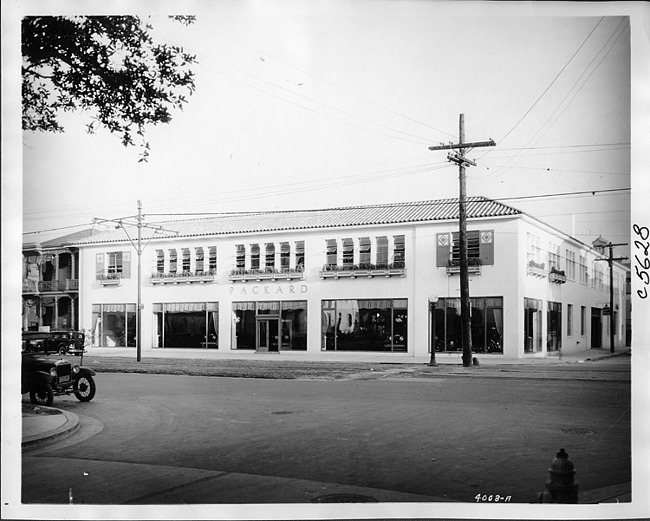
x=51 y=283
x=365 y=279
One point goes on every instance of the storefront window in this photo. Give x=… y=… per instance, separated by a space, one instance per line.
x=253 y=322
x=364 y=325
x=532 y=325
x=187 y=325
x=113 y=325
x=486 y=320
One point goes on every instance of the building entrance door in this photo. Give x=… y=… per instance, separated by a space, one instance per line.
x=267 y=335
x=596 y=328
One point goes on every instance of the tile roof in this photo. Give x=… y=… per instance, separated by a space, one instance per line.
x=396 y=213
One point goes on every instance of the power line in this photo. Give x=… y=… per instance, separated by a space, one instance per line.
x=258 y=52
x=554 y=79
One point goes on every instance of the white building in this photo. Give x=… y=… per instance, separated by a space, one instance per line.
x=371 y=279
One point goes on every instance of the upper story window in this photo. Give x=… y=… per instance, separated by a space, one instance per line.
x=364 y=250
x=570 y=264
x=186 y=259
x=285 y=255
x=160 y=261
x=584 y=271
x=300 y=253
x=212 y=260
x=473 y=249
x=553 y=256
x=255 y=256
x=480 y=248
x=382 y=250
x=534 y=251
x=173 y=260
x=200 y=259
x=332 y=252
x=240 y=257
x=269 y=259
x=348 y=251
x=399 y=252
x=114 y=266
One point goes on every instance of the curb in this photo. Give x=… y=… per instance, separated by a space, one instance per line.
x=70 y=426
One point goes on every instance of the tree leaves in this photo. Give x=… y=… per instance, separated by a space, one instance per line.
x=109 y=66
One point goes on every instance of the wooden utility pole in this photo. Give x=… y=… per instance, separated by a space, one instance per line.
x=610 y=260
x=460 y=159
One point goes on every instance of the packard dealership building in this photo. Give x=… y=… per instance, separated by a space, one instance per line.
x=366 y=279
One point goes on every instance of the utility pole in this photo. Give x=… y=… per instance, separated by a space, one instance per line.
x=138 y=316
x=460 y=159
x=610 y=260
x=139 y=248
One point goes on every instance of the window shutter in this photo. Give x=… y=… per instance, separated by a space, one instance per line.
x=99 y=265
x=486 y=247
x=126 y=265
x=443 y=247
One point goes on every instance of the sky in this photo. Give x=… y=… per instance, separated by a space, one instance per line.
x=334 y=104
x=327 y=103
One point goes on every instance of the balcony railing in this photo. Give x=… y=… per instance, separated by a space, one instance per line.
x=473 y=266
x=272 y=274
x=184 y=277
x=395 y=269
x=48 y=286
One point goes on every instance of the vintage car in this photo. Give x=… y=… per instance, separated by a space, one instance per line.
x=62 y=342
x=44 y=376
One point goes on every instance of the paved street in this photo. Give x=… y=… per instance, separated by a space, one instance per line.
x=170 y=439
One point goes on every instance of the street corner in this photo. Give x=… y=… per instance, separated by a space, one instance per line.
x=42 y=424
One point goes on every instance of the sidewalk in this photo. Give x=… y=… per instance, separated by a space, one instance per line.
x=327 y=356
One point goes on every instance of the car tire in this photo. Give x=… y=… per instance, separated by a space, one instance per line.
x=84 y=388
x=42 y=395
x=62 y=349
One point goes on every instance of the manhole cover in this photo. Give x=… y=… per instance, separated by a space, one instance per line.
x=344 y=498
x=577 y=430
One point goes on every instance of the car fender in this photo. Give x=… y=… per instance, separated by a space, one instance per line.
x=40 y=376
x=85 y=371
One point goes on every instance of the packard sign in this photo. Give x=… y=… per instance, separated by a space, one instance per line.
x=269 y=289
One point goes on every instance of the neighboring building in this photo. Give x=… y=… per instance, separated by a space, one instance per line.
x=373 y=279
x=51 y=284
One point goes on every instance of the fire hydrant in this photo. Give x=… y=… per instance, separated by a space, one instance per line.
x=561 y=488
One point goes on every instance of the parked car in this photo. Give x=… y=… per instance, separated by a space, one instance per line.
x=62 y=342
x=43 y=377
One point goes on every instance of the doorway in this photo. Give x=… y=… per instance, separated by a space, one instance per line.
x=267 y=335
x=596 y=328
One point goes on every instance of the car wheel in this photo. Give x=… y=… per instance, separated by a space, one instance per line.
x=63 y=349
x=42 y=395
x=84 y=388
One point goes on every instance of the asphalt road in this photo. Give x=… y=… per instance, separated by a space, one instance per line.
x=450 y=437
